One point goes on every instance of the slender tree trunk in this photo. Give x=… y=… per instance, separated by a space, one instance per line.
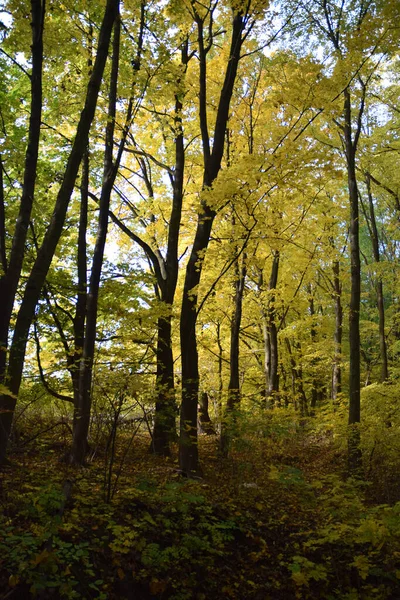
x=379 y=285
x=80 y=309
x=267 y=358
x=220 y=377
x=10 y=276
x=81 y=259
x=188 y=451
x=42 y=263
x=239 y=285
x=297 y=381
x=3 y=250
x=82 y=421
x=205 y=422
x=267 y=344
x=337 y=368
x=234 y=383
x=273 y=384
x=313 y=335
x=355 y=294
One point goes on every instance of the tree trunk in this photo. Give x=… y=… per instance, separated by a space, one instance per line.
x=205 y=422
x=297 y=381
x=379 y=285
x=166 y=410
x=82 y=420
x=313 y=335
x=273 y=384
x=220 y=377
x=12 y=271
x=80 y=309
x=188 y=451
x=337 y=368
x=233 y=387
x=270 y=335
x=42 y=263
x=354 y=452
x=164 y=423
x=234 y=384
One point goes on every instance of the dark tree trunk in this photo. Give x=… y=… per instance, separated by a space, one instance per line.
x=234 y=384
x=80 y=309
x=82 y=420
x=188 y=451
x=166 y=410
x=379 y=285
x=3 y=249
x=270 y=335
x=166 y=272
x=81 y=260
x=42 y=263
x=220 y=377
x=267 y=358
x=355 y=294
x=337 y=368
x=205 y=423
x=273 y=383
x=299 y=394
x=11 y=272
x=165 y=416
x=313 y=335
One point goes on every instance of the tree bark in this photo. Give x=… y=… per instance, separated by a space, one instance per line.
x=42 y=263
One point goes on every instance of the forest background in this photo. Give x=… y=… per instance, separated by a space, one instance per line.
x=199 y=208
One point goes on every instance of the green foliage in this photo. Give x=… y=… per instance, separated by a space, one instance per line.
x=37 y=556
x=355 y=547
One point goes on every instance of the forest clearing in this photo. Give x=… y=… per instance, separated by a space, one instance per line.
x=199 y=299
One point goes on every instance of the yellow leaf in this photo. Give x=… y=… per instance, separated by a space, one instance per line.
x=39 y=558
x=121 y=573
x=299 y=578
x=157 y=587
x=13 y=580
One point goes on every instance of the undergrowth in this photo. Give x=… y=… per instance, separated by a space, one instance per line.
x=279 y=519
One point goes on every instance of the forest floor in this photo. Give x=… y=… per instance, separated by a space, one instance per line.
x=278 y=520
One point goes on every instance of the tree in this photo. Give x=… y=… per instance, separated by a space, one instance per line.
x=212 y=159
x=46 y=251
x=337 y=24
